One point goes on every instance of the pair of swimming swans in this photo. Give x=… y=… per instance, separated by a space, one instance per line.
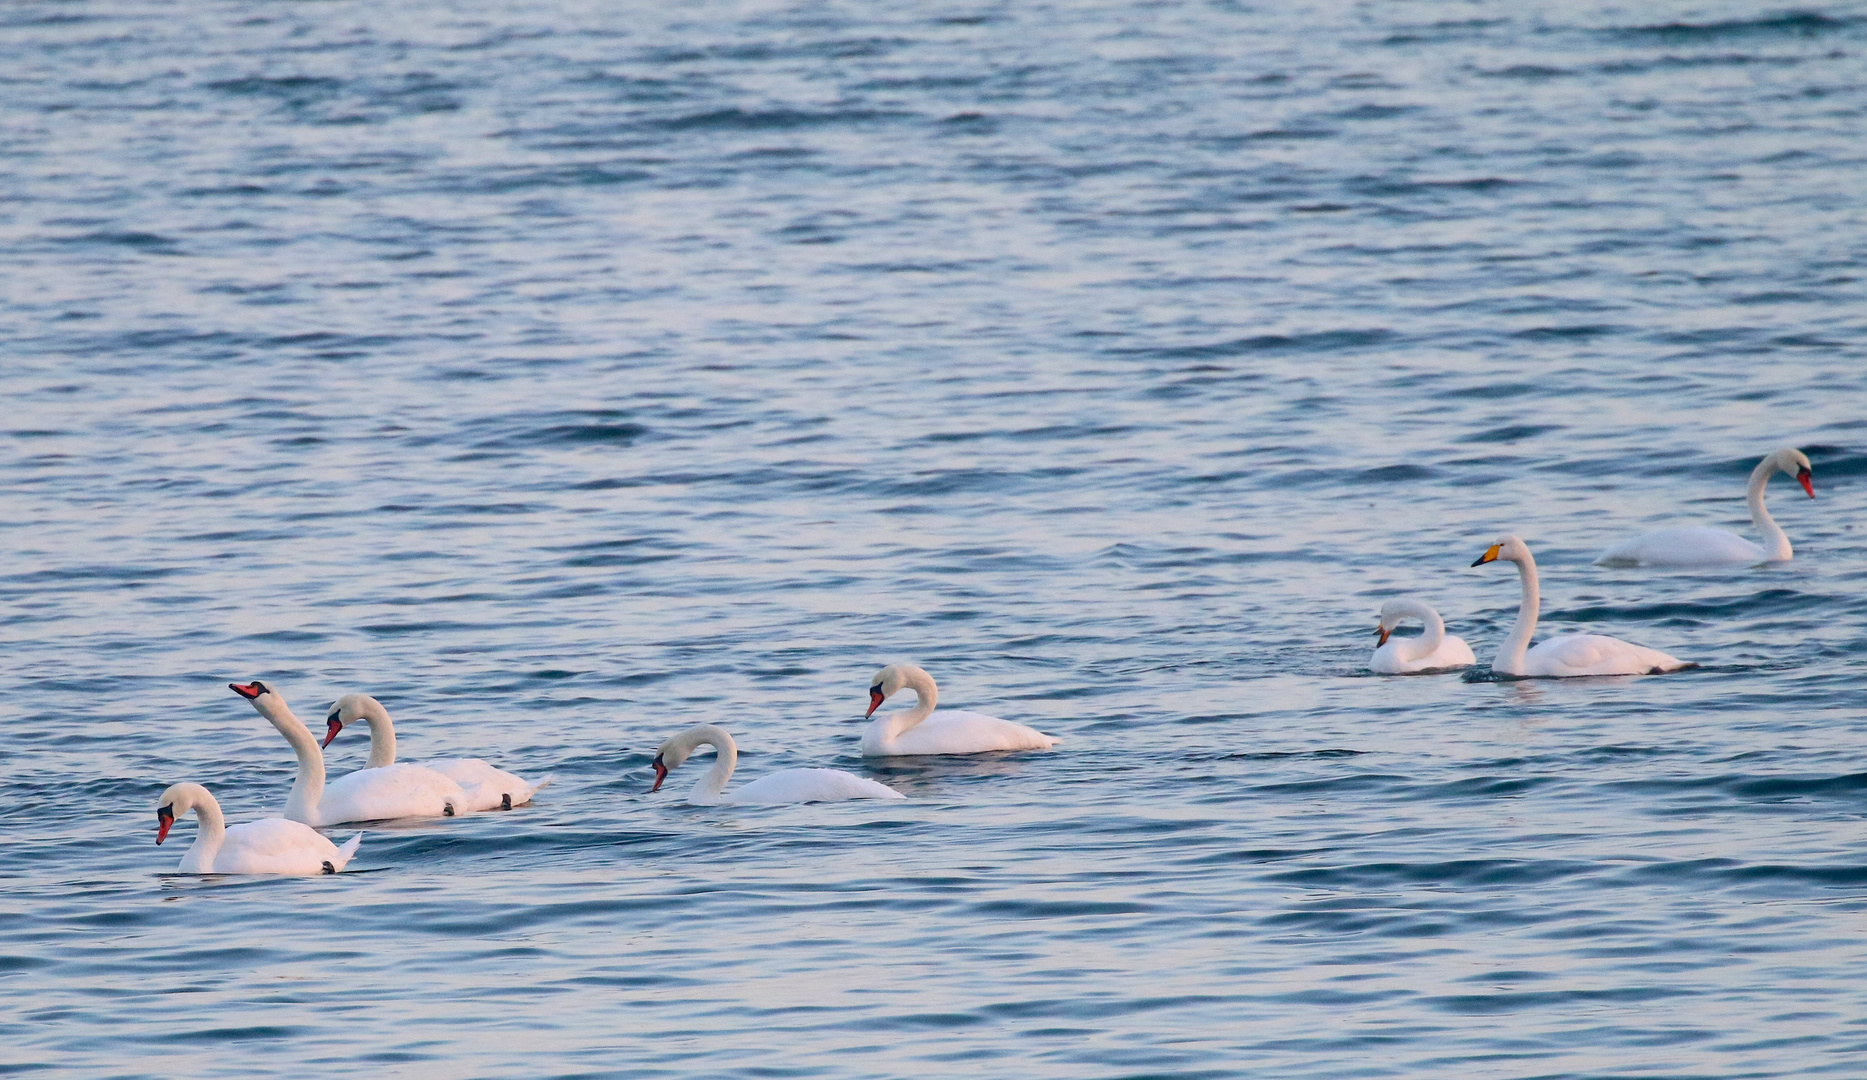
x=921 y=730
x=1565 y=656
x=384 y=788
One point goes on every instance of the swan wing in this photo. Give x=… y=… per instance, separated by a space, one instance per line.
x=1595 y=654
x=278 y=846
x=810 y=785
x=1451 y=653
x=393 y=791
x=486 y=787
x=1689 y=545
x=956 y=731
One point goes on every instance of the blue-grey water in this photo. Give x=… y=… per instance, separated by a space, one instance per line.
x=566 y=374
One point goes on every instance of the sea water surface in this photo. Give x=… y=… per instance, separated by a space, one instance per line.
x=566 y=374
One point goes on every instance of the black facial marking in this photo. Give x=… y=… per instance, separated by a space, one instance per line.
x=261 y=687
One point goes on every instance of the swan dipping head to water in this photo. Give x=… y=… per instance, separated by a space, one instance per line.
x=1434 y=650
x=784 y=786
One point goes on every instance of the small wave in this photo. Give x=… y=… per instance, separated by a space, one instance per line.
x=1787 y=24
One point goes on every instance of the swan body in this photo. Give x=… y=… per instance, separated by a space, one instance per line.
x=1702 y=545
x=785 y=786
x=923 y=730
x=486 y=787
x=1434 y=650
x=268 y=846
x=394 y=791
x=1570 y=654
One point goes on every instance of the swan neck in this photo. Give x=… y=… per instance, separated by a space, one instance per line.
x=1509 y=659
x=308 y=786
x=382 y=737
x=927 y=695
x=1774 y=539
x=1435 y=634
x=712 y=784
x=210 y=831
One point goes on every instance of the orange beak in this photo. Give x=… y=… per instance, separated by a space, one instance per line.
x=249 y=691
x=661 y=773
x=1381 y=632
x=875 y=701
x=165 y=820
x=1807 y=480
x=331 y=732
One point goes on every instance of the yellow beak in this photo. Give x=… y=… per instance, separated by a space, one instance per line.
x=1490 y=555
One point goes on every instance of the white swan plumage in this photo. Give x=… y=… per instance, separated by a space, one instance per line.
x=395 y=791
x=922 y=730
x=1570 y=654
x=267 y=846
x=486 y=787
x=1702 y=545
x=1434 y=650
x=785 y=786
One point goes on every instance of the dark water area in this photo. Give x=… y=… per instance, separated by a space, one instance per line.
x=569 y=374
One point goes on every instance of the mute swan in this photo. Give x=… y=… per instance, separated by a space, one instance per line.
x=1431 y=651
x=1702 y=545
x=921 y=730
x=268 y=846
x=396 y=791
x=786 y=786
x=1570 y=654
x=487 y=788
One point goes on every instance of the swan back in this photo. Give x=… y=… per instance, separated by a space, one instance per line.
x=810 y=785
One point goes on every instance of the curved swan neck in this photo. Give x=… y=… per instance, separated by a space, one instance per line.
x=926 y=693
x=712 y=784
x=211 y=829
x=308 y=787
x=1428 y=643
x=1509 y=659
x=1774 y=539
x=382 y=733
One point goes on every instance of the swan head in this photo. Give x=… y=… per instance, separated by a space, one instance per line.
x=1392 y=613
x=1508 y=548
x=175 y=803
x=348 y=710
x=886 y=683
x=1793 y=462
x=674 y=753
x=264 y=698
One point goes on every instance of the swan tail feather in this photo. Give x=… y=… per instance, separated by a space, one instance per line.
x=348 y=851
